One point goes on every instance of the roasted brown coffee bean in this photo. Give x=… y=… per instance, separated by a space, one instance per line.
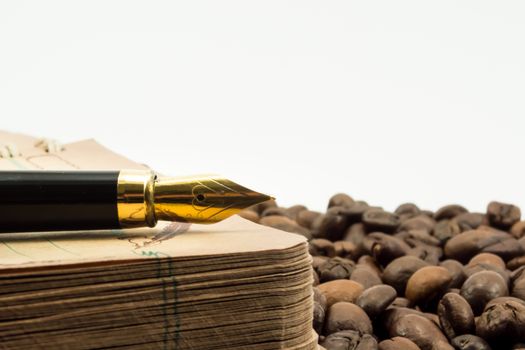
x=503 y=215
x=456 y=272
x=365 y=276
x=370 y=262
x=445 y=230
x=349 y=340
x=315 y=277
x=355 y=233
x=502 y=323
x=321 y=246
x=376 y=299
x=398 y=343
x=455 y=315
x=400 y=302
x=414 y=237
x=249 y=215
x=407 y=211
x=504 y=300
x=340 y=290
x=470 y=270
x=259 y=208
x=467 y=244
x=420 y=330
x=399 y=271
x=340 y=200
x=481 y=287
x=419 y=222
x=276 y=211
x=518 y=288
x=426 y=252
x=343 y=316
x=335 y=269
x=380 y=220
x=516 y=263
x=318 y=261
x=470 y=342
x=426 y=284
x=518 y=229
x=487 y=258
x=449 y=211
x=294 y=210
x=345 y=249
x=306 y=218
x=470 y=221
x=384 y=248
x=331 y=225
x=285 y=224
x=319 y=310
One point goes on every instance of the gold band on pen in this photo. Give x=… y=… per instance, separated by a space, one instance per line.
x=135 y=198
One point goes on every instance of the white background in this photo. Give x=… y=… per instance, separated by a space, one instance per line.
x=389 y=101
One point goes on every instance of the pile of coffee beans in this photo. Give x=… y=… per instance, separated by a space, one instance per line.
x=411 y=279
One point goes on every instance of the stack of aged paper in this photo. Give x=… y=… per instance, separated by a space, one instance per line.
x=231 y=285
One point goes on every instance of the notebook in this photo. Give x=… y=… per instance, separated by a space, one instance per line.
x=231 y=285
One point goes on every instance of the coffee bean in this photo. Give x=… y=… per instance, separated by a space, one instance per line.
x=420 y=330
x=518 y=229
x=455 y=315
x=407 y=211
x=318 y=261
x=345 y=249
x=470 y=221
x=487 y=258
x=384 y=248
x=349 y=340
x=398 y=343
x=426 y=252
x=481 y=287
x=401 y=302
x=259 y=208
x=249 y=215
x=365 y=276
x=285 y=224
x=380 y=220
x=470 y=342
x=344 y=316
x=376 y=299
x=504 y=300
x=445 y=230
x=331 y=225
x=414 y=237
x=419 y=222
x=467 y=244
x=518 y=288
x=340 y=200
x=275 y=211
x=370 y=262
x=502 y=323
x=340 y=290
x=517 y=262
x=315 y=277
x=355 y=234
x=456 y=272
x=471 y=270
x=293 y=211
x=318 y=317
x=306 y=218
x=321 y=246
x=426 y=284
x=335 y=269
x=503 y=215
x=399 y=270
x=449 y=212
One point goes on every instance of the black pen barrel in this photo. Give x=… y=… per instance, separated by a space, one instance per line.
x=58 y=200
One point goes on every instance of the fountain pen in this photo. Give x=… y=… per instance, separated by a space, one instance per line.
x=93 y=200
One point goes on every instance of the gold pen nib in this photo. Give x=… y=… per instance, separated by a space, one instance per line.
x=201 y=199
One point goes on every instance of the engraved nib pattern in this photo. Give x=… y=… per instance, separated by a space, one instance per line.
x=202 y=199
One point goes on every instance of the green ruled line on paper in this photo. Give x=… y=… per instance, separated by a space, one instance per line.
x=14 y=250
x=61 y=248
x=17 y=164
